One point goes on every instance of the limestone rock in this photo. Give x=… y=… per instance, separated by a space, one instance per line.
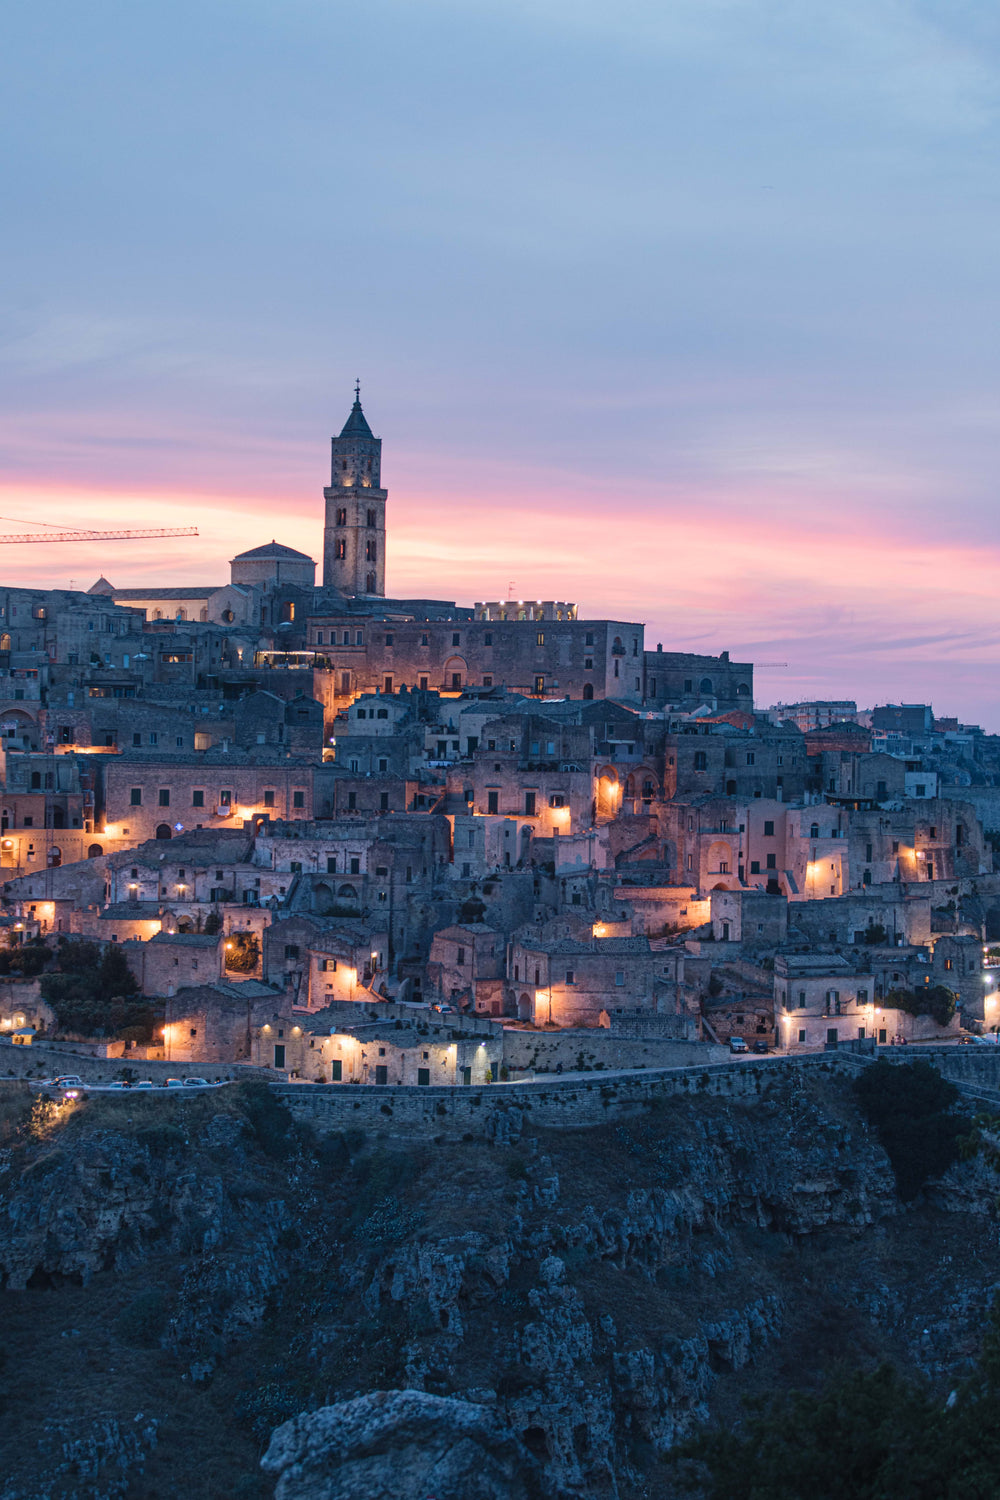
x=400 y=1445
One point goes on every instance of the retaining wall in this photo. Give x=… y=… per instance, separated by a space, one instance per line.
x=46 y=1062
x=501 y=1110
x=590 y=1047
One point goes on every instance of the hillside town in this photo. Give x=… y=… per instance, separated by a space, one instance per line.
x=349 y=838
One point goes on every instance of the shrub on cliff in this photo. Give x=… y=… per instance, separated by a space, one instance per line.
x=910 y=1107
x=865 y=1435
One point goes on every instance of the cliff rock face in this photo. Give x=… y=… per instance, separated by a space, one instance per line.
x=546 y=1314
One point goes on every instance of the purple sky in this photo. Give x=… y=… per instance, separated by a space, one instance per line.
x=685 y=312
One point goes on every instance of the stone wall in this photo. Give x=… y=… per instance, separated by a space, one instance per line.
x=499 y=1111
x=42 y=1060
x=587 y=1047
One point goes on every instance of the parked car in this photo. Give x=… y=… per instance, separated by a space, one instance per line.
x=196 y=1083
x=68 y=1080
x=174 y=1083
x=760 y=1046
x=144 y=1083
x=737 y=1044
x=117 y=1084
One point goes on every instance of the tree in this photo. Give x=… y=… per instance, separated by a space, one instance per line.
x=910 y=1106
x=937 y=1001
x=95 y=993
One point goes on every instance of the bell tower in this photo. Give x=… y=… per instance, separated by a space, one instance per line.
x=354 y=535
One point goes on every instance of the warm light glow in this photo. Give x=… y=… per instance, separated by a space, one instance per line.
x=600 y=930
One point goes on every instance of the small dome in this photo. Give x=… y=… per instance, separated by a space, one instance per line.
x=270 y=549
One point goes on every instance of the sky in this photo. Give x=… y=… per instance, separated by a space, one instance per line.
x=683 y=310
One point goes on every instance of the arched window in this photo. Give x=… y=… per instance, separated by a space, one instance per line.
x=705 y=685
x=163 y=831
x=55 y=857
x=157 y=614
x=95 y=851
x=742 y=690
x=370 y=583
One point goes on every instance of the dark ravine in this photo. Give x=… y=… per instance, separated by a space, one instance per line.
x=191 y=1288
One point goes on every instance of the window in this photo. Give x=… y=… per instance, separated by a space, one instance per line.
x=750 y=757
x=341 y=517
x=492 y=802
x=352 y=802
x=198 y=797
x=570 y=979
x=291 y=950
x=340 y=549
x=164 y=796
x=589 y=638
x=371 y=551
x=269 y=796
x=754 y=866
x=154 y=738
x=488 y=638
x=298 y=799
x=700 y=760
x=319 y=637
x=558 y=799
x=225 y=799
x=460 y=960
x=620 y=977
x=371 y=518
x=772 y=861
x=529 y=804
x=768 y=830
x=137 y=739
x=135 y=797
x=355 y=864
x=540 y=638
x=456 y=638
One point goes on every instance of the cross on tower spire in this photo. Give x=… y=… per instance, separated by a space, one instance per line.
x=357 y=390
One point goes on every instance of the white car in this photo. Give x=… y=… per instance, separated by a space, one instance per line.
x=116 y=1085
x=737 y=1044
x=196 y=1083
x=144 y=1083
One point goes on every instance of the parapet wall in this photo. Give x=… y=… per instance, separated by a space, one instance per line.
x=46 y=1061
x=502 y=1110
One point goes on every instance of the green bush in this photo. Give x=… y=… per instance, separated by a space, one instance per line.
x=864 y=1435
x=909 y=1105
x=96 y=994
x=268 y=1120
x=937 y=1001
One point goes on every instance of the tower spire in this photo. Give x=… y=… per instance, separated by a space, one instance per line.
x=357 y=391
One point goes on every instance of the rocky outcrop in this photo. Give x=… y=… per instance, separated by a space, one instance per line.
x=400 y=1445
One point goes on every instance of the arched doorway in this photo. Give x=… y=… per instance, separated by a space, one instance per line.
x=55 y=857
x=95 y=851
x=163 y=831
x=524 y=1007
x=608 y=794
x=588 y=691
x=455 y=674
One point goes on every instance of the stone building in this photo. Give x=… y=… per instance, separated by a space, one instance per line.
x=354 y=535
